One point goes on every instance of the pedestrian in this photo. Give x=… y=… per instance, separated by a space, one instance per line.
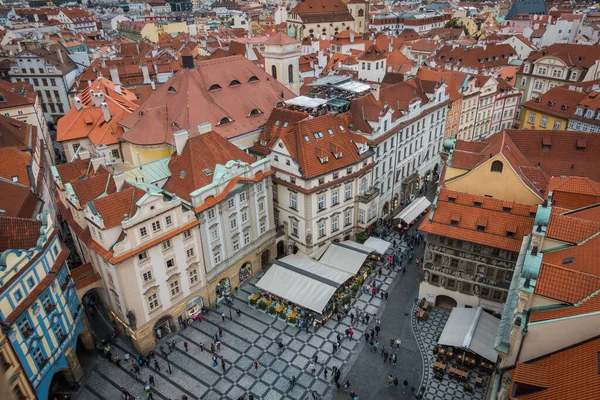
x=377 y=329
x=367 y=318
x=223 y=316
x=202 y=347
x=126 y=357
x=212 y=348
x=347 y=332
x=390 y=380
x=394 y=359
x=117 y=360
x=220 y=332
x=398 y=343
x=214 y=360
x=335 y=346
x=385 y=356
x=218 y=345
x=339 y=338
x=223 y=364
x=396 y=384
x=312 y=367
x=316 y=359
x=386 y=295
x=292 y=382
x=346 y=385
x=216 y=337
x=392 y=341
x=151 y=380
x=382 y=350
x=366 y=336
x=350 y=333
x=237 y=310
x=404 y=385
x=156 y=366
x=325 y=372
x=185 y=344
x=255 y=363
x=351 y=318
x=376 y=346
x=158 y=333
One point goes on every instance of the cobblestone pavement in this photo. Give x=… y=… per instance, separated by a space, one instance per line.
x=368 y=375
x=250 y=336
x=447 y=388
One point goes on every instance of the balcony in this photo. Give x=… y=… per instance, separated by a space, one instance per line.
x=369 y=195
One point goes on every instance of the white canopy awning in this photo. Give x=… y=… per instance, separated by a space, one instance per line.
x=472 y=329
x=414 y=209
x=346 y=256
x=305 y=101
x=303 y=281
x=379 y=245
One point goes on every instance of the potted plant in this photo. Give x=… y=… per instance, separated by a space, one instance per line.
x=262 y=305
x=435 y=349
x=283 y=315
x=272 y=310
x=468 y=387
x=292 y=320
x=439 y=375
x=253 y=302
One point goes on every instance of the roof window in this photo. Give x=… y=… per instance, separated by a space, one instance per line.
x=285 y=124
x=568 y=260
x=225 y=120
x=330 y=131
x=277 y=123
x=306 y=138
x=255 y=111
x=477 y=204
x=546 y=143
x=207 y=172
x=342 y=128
x=172 y=89
x=252 y=79
x=581 y=144
x=318 y=135
x=234 y=82
x=214 y=87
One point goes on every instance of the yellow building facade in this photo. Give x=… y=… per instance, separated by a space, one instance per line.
x=536 y=119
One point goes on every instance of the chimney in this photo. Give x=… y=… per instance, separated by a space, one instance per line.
x=83 y=154
x=351 y=36
x=60 y=56
x=89 y=83
x=78 y=104
x=119 y=179
x=375 y=91
x=204 y=127
x=145 y=73
x=114 y=75
x=97 y=98
x=181 y=138
x=105 y=111
x=97 y=162
x=153 y=84
x=390 y=47
x=118 y=89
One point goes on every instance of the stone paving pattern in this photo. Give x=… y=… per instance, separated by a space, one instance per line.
x=250 y=336
x=448 y=388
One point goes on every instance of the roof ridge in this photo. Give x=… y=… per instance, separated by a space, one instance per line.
x=587 y=298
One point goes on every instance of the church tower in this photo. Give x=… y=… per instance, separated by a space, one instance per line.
x=359 y=10
x=282 y=59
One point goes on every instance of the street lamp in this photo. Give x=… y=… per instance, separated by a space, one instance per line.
x=229 y=302
x=166 y=356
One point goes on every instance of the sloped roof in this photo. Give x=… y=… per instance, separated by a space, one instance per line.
x=15 y=133
x=308 y=149
x=569 y=374
x=280 y=38
x=573 y=192
x=16 y=94
x=280 y=122
x=18 y=233
x=16 y=200
x=579 y=56
x=93 y=187
x=14 y=163
x=496 y=221
x=202 y=152
x=372 y=54
x=319 y=7
x=78 y=169
x=476 y=57
x=115 y=207
x=208 y=93
x=558 y=101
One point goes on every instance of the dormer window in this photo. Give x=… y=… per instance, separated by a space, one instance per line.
x=172 y=89
x=234 y=82
x=564 y=107
x=285 y=124
x=263 y=143
x=214 y=87
x=324 y=160
x=581 y=144
x=225 y=120
x=589 y=114
x=579 y=111
x=255 y=111
x=252 y=79
x=338 y=155
x=546 y=144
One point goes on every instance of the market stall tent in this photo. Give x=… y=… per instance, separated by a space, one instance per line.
x=414 y=210
x=347 y=256
x=303 y=281
x=378 y=245
x=471 y=329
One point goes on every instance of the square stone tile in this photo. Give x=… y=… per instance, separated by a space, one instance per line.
x=259 y=389
x=269 y=377
x=265 y=359
x=222 y=386
x=246 y=381
x=306 y=379
x=301 y=362
x=244 y=362
x=235 y=392
x=234 y=373
x=287 y=355
x=279 y=366
x=273 y=395
x=296 y=345
x=282 y=384
x=253 y=352
x=263 y=343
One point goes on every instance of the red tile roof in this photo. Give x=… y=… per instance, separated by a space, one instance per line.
x=16 y=94
x=78 y=169
x=319 y=6
x=498 y=223
x=116 y=207
x=587 y=306
x=569 y=374
x=558 y=101
x=492 y=56
x=18 y=233
x=334 y=143
x=573 y=192
x=202 y=152
x=280 y=122
x=565 y=228
x=279 y=39
x=92 y=187
x=15 y=133
x=17 y=200
x=372 y=54
x=579 y=56
x=212 y=92
x=14 y=163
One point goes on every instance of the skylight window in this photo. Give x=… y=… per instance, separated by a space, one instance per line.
x=306 y=138
x=207 y=172
x=318 y=135
x=342 y=128
x=214 y=87
x=225 y=120
x=330 y=131
x=252 y=79
x=277 y=123
x=234 y=82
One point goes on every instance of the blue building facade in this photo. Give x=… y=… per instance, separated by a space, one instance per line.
x=40 y=311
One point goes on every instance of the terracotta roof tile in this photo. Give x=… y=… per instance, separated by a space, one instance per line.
x=90 y=188
x=15 y=133
x=574 y=192
x=569 y=229
x=573 y=55
x=281 y=121
x=492 y=56
x=587 y=306
x=207 y=93
x=78 y=169
x=491 y=215
x=558 y=101
x=14 y=163
x=17 y=200
x=280 y=38
x=373 y=53
x=115 y=207
x=569 y=374
x=202 y=152
x=18 y=233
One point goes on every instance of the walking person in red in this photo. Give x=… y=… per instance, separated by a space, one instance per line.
x=255 y=363
x=350 y=333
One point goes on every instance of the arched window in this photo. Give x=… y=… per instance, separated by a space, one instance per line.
x=274 y=71
x=497 y=166
x=361 y=12
x=290 y=73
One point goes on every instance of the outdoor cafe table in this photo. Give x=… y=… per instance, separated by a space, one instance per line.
x=426 y=305
x=487 y=365
x=478 y=380
x=439 y=365
x=458 y=372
